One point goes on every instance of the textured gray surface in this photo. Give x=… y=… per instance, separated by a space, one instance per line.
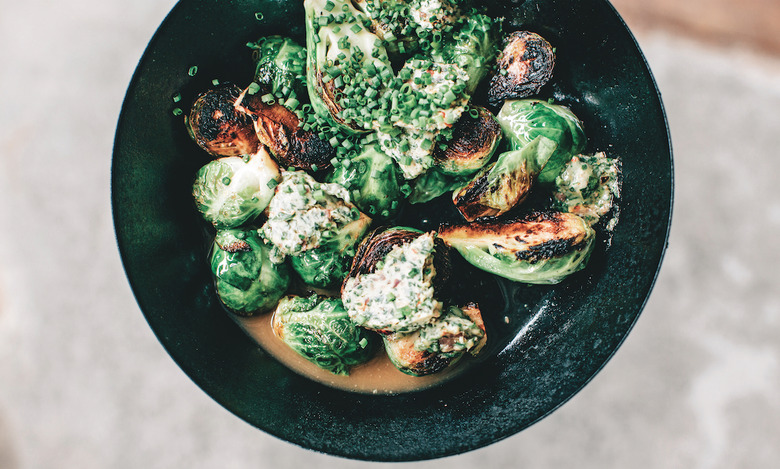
x=84 y=383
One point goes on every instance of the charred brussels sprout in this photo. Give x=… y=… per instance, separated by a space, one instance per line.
x=524 y=120
x=218 y=127
x=541 y=248
x=373 y=180
x=305 y=214
x=504 y=184
x=524 y=66
x=247 y=282
x=438 y=345
x=392 y=284
x=588 y=186
x=232 y=191
x=278 y=129
x=280 y=66
x=319 y=329
x=475 y=138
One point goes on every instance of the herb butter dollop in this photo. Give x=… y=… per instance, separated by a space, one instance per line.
x=398 y=296
x=304 y=213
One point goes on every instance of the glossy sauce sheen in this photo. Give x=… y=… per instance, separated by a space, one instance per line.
x=378 y=376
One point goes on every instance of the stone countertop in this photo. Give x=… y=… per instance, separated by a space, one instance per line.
x=84 y=383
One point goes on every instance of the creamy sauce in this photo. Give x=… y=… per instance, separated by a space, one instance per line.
x=378 y=376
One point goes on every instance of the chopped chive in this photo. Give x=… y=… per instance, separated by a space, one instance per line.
x=291 y=104
x=192 y=71
x=177 y=111
x=253 y=88
x=272 y=184
x=176 y=98
x=259 y=16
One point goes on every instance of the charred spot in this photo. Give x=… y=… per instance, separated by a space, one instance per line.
x=524 y=67
x=217 y=127
x=278 y=129
x=471 y=138
x=236 y=246
x=430 y=363
x=473 y=191
x=547 y=250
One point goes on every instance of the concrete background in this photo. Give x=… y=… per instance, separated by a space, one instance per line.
x=84 y=383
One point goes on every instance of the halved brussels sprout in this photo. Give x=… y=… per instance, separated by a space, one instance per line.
x=217 y=127
x=327 y=265
x=392 y=284
x=541 y=248
x=524 y=120
x=373 y=180
x=247 y=282
x=305 y=214
x=278 y=129
x=440 y=344
x=319 y=329
x=474 y=140
x=233 y=190
x=504 y=184
x=343 y=55
x=524 y=66
x=588 y=186
x=280 y=65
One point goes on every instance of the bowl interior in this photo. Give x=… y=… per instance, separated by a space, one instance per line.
x=556 y=338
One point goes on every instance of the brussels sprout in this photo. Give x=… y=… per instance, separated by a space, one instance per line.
x=373 y=180
x=326 y=266
x=247 y=282
x=217 y=127
x=278 y=129
x=280 y=66
x=232 y=191
x=440 y=344
x=342 y=55
x=393 y=279
x=524 y=120
x=498 y=188
x=305 y=214
x=540 y=248
x=587 y=186
x=472 y=47
x=434 y=183
x=319 y=329
x=474 y=140
x=524 y=66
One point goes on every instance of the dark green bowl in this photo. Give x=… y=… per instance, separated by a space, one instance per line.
x=558 y=337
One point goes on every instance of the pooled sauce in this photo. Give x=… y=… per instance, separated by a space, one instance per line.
x=377 y=376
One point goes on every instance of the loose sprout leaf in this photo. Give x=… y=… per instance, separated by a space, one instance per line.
x=524 y=120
